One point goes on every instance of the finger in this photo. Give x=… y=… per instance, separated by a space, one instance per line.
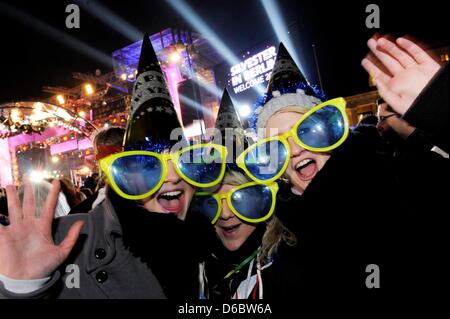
x=14 y=206
x=28 y=203
x=372 y=58
x=392 y=65
x=388 y=96
x=373 y=70
x=50 y=203
x=419 y=54
x=396 y=52
x=71 y=238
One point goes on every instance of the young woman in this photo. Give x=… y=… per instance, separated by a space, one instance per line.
x=250 y=254
x=253 y=255
x=342 y=199
x=129 y=245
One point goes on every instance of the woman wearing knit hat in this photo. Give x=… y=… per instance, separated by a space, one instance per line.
x=330 y=175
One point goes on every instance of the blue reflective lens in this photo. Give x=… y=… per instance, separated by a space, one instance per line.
x=204 y=205
x=136 y=174
x=253 y=202
x=202 y=165
x=323 y=128
x=266 y=160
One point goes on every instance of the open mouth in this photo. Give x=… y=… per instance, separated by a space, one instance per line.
x=171 y=201
x=306 y=169
x=230 y=230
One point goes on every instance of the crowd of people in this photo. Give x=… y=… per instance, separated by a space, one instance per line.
x=304 y=210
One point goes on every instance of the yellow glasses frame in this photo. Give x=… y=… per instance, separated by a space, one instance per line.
x=339 y=103
x=107 y=162
x=227 y=196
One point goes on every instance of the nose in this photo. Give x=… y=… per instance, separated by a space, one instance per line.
x=226 y=213
x=172 y=175
x=295 y=148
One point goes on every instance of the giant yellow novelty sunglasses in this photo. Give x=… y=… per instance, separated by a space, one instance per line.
x=138 y=174
x=321 y=129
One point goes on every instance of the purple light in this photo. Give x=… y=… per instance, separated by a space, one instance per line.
x=70 y=146
x=173 y=76
x=48 y=133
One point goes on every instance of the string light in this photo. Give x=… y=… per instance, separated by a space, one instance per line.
x=60 y=99
x=89 y=89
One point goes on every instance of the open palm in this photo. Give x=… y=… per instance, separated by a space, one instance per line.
x=401 y=71
x=27 y=249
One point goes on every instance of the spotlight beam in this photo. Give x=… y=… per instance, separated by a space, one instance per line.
x=190 y=102
x=201 y=81
x=111 y=19
x=280 y=28
x=195 y=21
x=198 y=24
x=54 y=33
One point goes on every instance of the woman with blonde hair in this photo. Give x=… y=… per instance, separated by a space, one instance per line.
x=342 y=198
x=252 y=255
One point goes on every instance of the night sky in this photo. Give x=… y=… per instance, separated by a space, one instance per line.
x=30 y=59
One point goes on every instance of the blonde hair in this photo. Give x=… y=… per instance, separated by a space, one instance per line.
x=275 y=232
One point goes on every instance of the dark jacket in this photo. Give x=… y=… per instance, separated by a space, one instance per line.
x=120 y=253
x=430 y=111
x=84 y=206
x=358 y=211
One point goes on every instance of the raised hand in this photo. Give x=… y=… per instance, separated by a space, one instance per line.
x=401 y=71
x=27 y=250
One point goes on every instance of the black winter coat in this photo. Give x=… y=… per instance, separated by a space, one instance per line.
x=430 y=111
x=362 y=209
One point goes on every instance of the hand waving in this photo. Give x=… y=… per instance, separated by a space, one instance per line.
x=401 y=71
x=27 y=250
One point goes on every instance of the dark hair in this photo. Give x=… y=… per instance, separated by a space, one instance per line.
x=111 y=136
x=86 y=191
x=369 y=119
x=388 y=107
x=69 y=191
x=380 y=101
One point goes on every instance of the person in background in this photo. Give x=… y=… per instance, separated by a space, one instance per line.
x=369 y=119
x=413 y=83
x=106 y=142
x=87 y=192
x=68 y=189
x=42 y=190
x=416 y=88
x=91 y=182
